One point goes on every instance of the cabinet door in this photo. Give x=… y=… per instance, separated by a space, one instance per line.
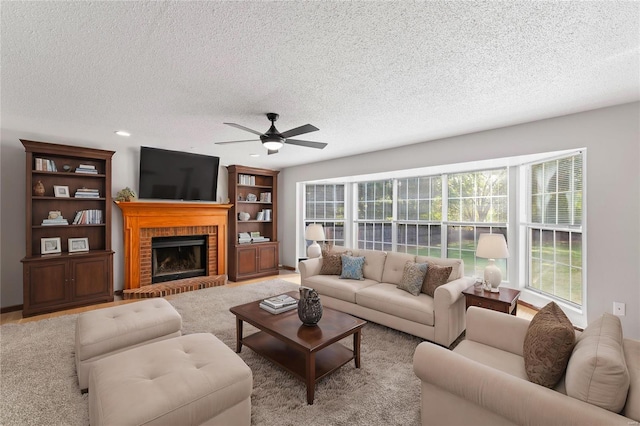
x=247 y=260
x=90 y=277
x=45 y=284
x=267 y=258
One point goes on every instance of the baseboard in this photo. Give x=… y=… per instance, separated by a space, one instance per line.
x=287 y=268
x=10 y=309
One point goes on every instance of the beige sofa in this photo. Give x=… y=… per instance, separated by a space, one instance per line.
x=440 y=319
x=483 y=380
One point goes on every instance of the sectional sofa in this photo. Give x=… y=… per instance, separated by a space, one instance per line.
x=377 y=298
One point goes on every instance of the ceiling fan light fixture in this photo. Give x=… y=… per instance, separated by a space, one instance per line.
x=272 y=142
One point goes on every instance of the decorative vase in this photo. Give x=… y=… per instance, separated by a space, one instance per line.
x=38 y=189
x=243 y=216
x=309 y=306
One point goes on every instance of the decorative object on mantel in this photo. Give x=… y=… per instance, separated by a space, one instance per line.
x=126 y=194
x=309 y=306
x=492 y=247
x=38 y=189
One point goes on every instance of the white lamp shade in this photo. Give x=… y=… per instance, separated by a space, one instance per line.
x=314 y=232
x=492 y=246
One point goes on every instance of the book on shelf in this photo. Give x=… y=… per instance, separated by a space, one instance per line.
x=58 y=221
x=86 y=171
x=87 y=193
x=88 y=217
x=44 y=165
x=86 y=166
x=280 y=301
x=277 y=311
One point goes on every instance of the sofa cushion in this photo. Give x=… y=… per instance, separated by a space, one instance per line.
x=394 y=267
x=597 y=372
x=333 y=286
x=332 y=262
x=435 y=277
x=413 y=277
x=457 y=265
x=547 y=345
x=388 y=298
x=374 y=261
x=352 y=267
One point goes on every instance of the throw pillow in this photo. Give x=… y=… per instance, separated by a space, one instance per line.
x=332 y=262
x=352 y=267
x=547 y=345
x=413 y=277
x=436 y=276
x=597 y=372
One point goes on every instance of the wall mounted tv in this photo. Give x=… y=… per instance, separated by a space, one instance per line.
x=175 y=175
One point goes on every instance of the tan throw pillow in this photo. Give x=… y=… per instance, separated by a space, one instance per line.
x=413 y=277
x=597 y=372
x=436 y=276
x=332 y=262
x=547 y=345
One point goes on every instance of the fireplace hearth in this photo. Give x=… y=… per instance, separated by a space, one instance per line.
x=176 y=258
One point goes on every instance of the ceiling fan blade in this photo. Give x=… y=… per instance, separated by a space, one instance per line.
x=255 y=132
x=247 y=140
x=307 y=128
x=308 y=144
x=272 y=151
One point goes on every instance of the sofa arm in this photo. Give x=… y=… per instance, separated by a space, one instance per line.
x=449 y=310
x=309 y=267
x=496 y=329
x=512 y=398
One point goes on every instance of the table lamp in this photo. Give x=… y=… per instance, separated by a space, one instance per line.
x=492 y=247
x=315 y=233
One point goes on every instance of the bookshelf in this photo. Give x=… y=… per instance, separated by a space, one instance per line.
x=253 y=233
x=68 y=260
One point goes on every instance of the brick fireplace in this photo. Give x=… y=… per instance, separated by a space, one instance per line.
x=146 y=220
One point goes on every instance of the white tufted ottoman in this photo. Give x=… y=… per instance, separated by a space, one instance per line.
x=189 y=380
x=108 y=331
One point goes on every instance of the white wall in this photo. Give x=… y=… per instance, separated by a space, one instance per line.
x=611 y=135
x=612 y=138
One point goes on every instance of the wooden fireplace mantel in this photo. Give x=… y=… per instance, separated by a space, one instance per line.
x=138 y=215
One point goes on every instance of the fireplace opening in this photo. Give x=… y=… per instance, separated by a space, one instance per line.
x=176 y=258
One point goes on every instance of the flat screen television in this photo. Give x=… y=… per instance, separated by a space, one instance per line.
x=175 y=175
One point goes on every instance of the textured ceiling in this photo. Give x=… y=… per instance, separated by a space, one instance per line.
x=369 y=75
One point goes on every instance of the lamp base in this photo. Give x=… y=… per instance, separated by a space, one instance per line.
x=493 y=276
x=314 y=250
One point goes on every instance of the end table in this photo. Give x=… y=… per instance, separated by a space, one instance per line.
x=505 y=301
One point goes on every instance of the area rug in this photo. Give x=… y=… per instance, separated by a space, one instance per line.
x=39 y=384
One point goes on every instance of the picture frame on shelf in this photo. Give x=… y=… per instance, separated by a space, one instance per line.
x=61 y=191
x=78 y=245
x=50 y=245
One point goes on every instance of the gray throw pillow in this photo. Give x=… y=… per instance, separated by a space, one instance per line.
x=352 y=267
x=413 y=277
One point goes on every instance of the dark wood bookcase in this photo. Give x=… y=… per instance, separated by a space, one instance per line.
x=248 y=189
x=65 y=279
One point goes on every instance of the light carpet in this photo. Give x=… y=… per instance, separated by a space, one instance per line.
x=39 y=384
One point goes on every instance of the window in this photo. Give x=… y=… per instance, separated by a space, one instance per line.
x=419 y=216
x=555 y=228
x=477 y=202
x=325 y=204
x=375 y=215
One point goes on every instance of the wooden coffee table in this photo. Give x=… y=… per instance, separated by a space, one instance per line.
x=309 y=353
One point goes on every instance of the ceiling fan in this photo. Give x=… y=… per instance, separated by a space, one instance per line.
x=273 y=140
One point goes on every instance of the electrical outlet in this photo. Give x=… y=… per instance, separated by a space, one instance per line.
x=619 y=309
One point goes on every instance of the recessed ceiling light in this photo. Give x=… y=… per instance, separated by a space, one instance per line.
x=122 y=133
x=254 y=155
